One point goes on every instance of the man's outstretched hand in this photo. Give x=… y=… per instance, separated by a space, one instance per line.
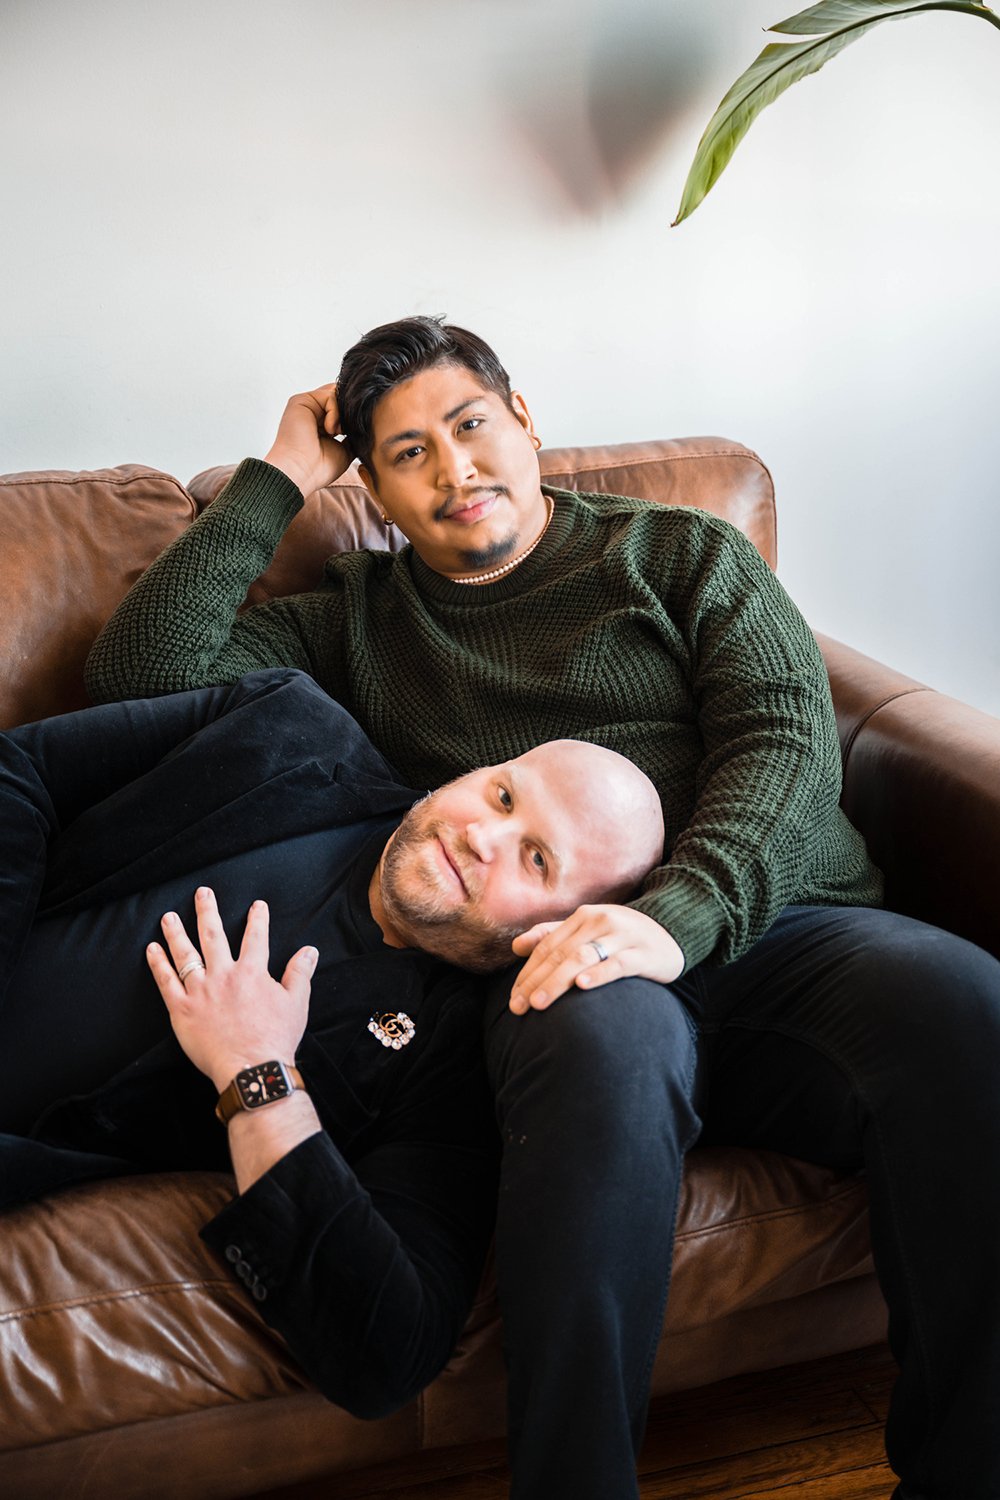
x=309 y=447
x=231 y=1013
x=563 y=955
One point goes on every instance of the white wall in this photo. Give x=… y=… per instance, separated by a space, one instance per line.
x=204 y=201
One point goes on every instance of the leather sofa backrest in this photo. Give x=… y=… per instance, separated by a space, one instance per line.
x=71 y=545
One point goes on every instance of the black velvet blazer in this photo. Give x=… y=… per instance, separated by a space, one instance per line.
x=364 y=1245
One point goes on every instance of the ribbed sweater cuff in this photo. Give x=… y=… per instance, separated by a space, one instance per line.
x=267 y=498
x=692 y=919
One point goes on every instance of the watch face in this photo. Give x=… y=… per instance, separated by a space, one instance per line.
x=262 y=1083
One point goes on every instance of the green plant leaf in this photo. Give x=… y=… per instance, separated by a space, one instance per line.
x=831 y=26
x=831 y=15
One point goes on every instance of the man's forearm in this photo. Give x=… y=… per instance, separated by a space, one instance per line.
x=258 y=1139
x=83 y=758
x=176 y=628
x=55 y=771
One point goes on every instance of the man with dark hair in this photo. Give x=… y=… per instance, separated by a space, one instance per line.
x=398 y=351
x=788 y=1011
x=367 y=1181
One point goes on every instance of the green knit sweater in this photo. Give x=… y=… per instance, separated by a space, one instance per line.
x=656 y=630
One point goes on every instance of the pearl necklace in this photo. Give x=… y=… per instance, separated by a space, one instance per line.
x=508 y=567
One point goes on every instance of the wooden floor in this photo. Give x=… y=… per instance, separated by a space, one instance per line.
x=813 y=1431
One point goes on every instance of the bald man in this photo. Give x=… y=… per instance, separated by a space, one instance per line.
x=362 y=1142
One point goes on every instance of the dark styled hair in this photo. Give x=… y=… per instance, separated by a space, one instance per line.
x=393 y=353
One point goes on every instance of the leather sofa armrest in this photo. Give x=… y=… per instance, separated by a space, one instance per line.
x=922 y=782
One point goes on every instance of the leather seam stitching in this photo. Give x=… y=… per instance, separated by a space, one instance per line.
x=770 y=1215
x=883 y=703
x=664 y=458
x=156 y=1289
x=10 y=481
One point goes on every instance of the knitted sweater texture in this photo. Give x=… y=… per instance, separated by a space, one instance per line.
x=656 y=630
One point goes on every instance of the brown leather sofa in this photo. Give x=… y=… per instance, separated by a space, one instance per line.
x=131 y=1362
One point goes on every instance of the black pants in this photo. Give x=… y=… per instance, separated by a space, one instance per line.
x=854 y=1038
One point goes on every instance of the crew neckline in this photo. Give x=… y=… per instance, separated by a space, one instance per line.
x=557 y=533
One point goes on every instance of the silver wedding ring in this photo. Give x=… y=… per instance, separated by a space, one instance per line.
x=189 y=968
x=599 y=949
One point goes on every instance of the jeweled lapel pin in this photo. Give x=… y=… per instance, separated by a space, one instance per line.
x=391 y=1028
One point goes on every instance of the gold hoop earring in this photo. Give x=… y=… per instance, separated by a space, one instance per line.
x=387 y=521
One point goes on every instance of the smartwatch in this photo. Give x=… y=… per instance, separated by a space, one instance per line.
x=253 y=1087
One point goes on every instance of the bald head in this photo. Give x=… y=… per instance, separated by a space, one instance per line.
x=502 y=848
x=615 y=806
